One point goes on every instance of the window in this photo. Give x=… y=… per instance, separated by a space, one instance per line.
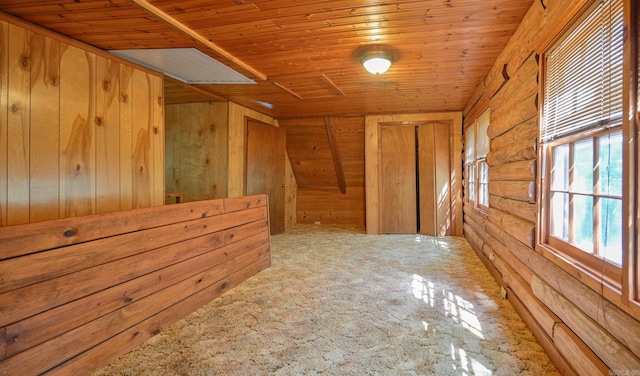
x=582 y=143
x=477 y=148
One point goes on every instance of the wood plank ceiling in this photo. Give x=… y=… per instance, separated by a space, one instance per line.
x=303 y=55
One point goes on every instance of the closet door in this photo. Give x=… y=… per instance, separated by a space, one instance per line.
x=265 y=168
x=398 y=180
x=434 y=177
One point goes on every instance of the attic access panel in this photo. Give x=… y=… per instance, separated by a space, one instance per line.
x=188 y=65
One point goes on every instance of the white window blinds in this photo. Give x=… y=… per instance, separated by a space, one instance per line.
x=470 y=145
x=584 y=75
x=483 y=139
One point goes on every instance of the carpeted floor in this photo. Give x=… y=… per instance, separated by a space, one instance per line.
x=338 y=302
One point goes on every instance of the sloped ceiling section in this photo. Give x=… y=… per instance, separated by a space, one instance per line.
x=315 y=162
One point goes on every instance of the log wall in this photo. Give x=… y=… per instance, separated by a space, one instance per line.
x=81 y=132
x=77 y=293
x=196 y=150
x=585 y=329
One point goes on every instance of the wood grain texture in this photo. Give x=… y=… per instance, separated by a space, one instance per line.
x=265 y=168
x=434 y=183
x=4 y=123
x=77 y=132
x=443 y=49
x=85 y=316
x=18 y=120
x=373 y=174
x=67 y=129
x=398 y=169
x=196 y=150
x=107 y=126
x=330 y=206
x=45 y=129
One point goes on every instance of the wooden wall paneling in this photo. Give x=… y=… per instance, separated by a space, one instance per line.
x=329 y=205
x=212 y=126
x=4 y=110
x=142 y=100
x=44 y=171
x=172 y=150
x=187 y=171
x=579 y=355
x=398 y=170
x=201 y=143
x=157 y=108
x=192 y=146
x=196 y=144
x=126 y=137
x=36 y=237
x=372 y=175
x=349 y=133
x=615 y=355
x=291 y=196
x=102 y=354
x=18 y=125
x=130 y=268
x=77 y=132
x=311 y=154
x=107 y=130
x=523 y=131
x=427 y=182
x=218 y=161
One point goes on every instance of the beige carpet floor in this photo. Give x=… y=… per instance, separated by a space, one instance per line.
x=338 y=302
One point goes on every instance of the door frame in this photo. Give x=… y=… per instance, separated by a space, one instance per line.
x=373 y=162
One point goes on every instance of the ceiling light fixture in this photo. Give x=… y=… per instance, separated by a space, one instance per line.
x=376 y=60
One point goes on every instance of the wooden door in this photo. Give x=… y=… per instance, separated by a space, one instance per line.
x=265 y=168
x=434 y=176
x=398 y=180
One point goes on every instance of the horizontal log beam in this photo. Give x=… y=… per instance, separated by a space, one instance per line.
x=515 y=190
x=514 y=171
x=524 y=150
x=524 y=210
x=609 y=349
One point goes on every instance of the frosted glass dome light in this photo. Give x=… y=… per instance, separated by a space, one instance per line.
x=377 y=62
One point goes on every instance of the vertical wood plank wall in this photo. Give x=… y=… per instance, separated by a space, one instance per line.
x=196 y=150
x=583 y=330
x=80 y=132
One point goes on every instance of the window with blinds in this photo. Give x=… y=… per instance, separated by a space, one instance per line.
x=582 y=143
x=583 y=88
x=477 y=170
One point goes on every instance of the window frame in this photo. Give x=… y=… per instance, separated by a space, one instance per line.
x=626 y=287
x=475 y=180
x=608 y=271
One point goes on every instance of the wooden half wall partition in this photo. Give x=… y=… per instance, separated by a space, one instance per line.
x=374 y=171
x=76 y=293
